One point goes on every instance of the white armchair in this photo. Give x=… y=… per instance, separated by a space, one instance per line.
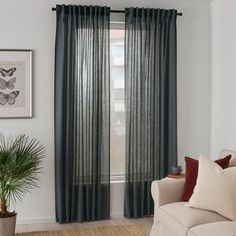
x=173 y=218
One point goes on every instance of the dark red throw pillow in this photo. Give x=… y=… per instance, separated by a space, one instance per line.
x=191 y=174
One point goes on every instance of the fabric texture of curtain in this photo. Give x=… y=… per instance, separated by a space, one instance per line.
x=82 y=113
x=151 y=104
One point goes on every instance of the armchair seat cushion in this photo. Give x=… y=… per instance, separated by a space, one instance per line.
x=216 y=229
x=181 y=218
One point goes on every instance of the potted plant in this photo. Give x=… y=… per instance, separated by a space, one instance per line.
x=20 y=163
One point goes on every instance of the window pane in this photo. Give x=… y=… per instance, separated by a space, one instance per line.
x=117 y=102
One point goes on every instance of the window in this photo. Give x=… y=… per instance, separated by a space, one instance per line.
x=117 y=102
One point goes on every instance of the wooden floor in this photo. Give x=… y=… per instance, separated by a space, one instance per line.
x=147 y=222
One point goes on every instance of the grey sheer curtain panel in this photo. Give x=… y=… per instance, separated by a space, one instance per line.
x=82 y=85
x=151 y=104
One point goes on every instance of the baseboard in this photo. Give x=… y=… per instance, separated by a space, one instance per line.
x=40 y=220
x=50 y=220
x=117 y=215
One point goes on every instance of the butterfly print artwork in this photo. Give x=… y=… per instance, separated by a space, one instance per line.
x=10 y=84
x=9 y=72
x=9 y=98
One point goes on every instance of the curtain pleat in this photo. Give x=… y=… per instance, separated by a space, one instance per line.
x=82 y=113
x=151 y=104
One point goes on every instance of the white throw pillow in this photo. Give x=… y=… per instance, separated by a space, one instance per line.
x=215 y=189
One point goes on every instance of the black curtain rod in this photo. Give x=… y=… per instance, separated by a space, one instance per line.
x=120 y=11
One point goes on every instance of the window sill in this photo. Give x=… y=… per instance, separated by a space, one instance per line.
x=117 y=178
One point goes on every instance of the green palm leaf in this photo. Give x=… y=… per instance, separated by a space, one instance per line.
x=20 y=164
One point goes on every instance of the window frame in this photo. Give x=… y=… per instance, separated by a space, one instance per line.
x=117 y=22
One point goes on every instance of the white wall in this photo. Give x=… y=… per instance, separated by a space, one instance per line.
x=30 y=24
x=223 y=128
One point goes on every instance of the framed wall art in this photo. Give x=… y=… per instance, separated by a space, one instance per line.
x=15 y=83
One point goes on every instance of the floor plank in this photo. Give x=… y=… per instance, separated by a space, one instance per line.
x=147 y=222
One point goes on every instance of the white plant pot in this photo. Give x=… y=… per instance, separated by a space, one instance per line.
x=7 y=226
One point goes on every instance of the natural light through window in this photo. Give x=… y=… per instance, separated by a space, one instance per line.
x=117 y=104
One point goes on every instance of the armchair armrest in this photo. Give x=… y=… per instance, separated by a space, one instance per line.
x=167 y=190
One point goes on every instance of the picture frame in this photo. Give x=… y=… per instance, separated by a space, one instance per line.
x=16 y=83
